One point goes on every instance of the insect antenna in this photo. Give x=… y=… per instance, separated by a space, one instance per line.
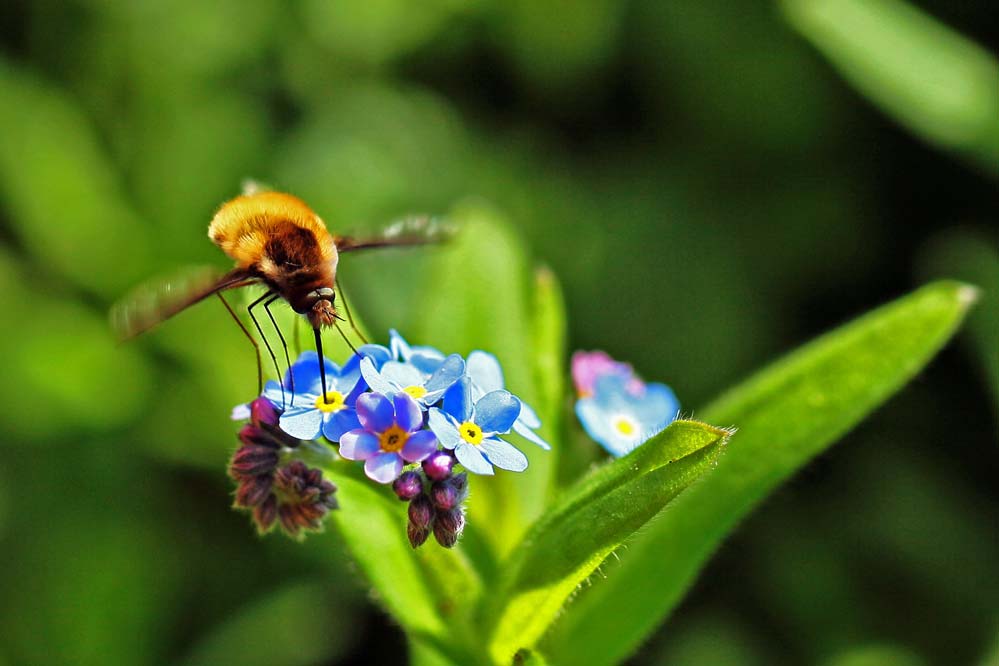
x=263 y=337
x=350 y=319
x=246 y=332
x=284 y=345
x=322 y=359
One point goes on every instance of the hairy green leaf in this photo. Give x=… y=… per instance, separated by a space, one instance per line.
x=786 y=414
x=590 y=522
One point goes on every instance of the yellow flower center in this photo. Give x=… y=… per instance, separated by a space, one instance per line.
x=470 y=432
x=393 y=439
x=415 y=392
x=625 y=426
x=333 y=402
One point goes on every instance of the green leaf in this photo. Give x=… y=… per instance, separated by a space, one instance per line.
x=786 y=414
x=941 y=85
x=549 y=335
x=374 y=528
x=589 y=523
x=476 y=298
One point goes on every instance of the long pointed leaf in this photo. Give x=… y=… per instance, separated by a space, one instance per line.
x=786 y=414
x=574 y=537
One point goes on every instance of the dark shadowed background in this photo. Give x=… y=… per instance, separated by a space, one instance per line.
x=708 y=179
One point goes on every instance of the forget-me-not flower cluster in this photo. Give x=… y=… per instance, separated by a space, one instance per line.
x=410 y=413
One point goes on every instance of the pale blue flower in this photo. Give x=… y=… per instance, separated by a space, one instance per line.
x=620 y=415
x=472 y=428
x=486 y=375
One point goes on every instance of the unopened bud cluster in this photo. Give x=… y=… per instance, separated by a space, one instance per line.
x=293 y=494
x=436 y=497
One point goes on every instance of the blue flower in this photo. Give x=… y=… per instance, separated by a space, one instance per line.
x=426 y=359
x=389 y=435
x=470 y=428
x=620 y=415
x=403 y=377
x=307 y=413
x=486 y=375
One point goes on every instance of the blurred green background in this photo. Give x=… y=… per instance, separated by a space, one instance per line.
x=714 y=183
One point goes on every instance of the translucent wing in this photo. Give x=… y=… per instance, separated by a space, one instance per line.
x=421 y=230
x=151 y=303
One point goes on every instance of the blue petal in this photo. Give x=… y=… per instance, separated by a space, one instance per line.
x=597 y=423
x=484 y=371
x=384 y=467
x=272 y=391
x=419 y=445
x=358 y=445
x=657 y=407
x=428 y=365
x=503 y=454
x=337 y=423
x=402 y=374
x=530 y=435
x=450 y=371
x=611 y=391
x=402 y=350
x=374 y=379
x=408 y=414
x=496 y=411
x=528 y=416
x=305 y=373
x=472 y=459
x=445 y=428
x=344 y=381
x=458 y=400
x=377 y=353
x=375 y=412
x=240 y=412
x=302 y=423
x=398 y=346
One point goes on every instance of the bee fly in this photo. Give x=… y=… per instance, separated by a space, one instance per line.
x=277 y=241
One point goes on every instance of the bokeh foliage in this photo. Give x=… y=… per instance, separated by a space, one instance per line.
x=707 y=188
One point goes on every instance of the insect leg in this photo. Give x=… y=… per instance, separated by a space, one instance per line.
x=296 y=336
x=345 y=338
x=256 y=347
x=350 y=319
x=263 y=337
x=284 y=345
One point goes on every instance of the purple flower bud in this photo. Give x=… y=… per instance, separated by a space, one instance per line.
x=438 y=465
x=263 y=411
x=253 y=460
x=252 y=491
x=460 y=483
x=421 y=512
x=408 y=486
x=256 y=435
x=444 y=495
x=265 y=514
x=448 y=526
x=417 y=535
